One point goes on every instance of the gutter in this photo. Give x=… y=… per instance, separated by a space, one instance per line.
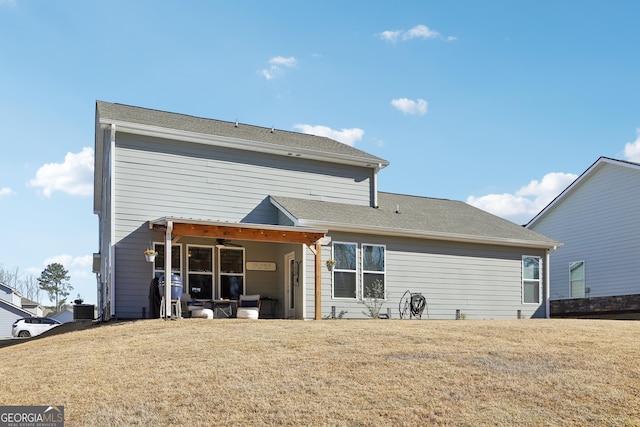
x=419 y=234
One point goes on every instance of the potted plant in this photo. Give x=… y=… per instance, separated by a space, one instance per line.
x=150 y=255
x=330 y=263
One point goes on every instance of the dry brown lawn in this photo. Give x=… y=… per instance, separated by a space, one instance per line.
x=197 y=372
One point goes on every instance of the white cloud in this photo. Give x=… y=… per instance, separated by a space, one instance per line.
x=69 y=261
x=286 y=62
x=6 y=191
x=632 y=149
x=390 y=36
x=420 y=32
x=409 y=106
x=74 y=176
x=527 y=201
x=277 y=65
x=346 y=136
x=417 y=32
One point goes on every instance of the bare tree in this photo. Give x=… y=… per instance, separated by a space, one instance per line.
x=31 y=288
x=11 y=278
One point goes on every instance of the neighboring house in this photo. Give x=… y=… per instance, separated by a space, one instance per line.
x=32 y=307
x=12 y=309
x=251 y=210
x=596 y=217
x=63 y=316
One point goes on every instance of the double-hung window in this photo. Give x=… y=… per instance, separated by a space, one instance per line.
x=231 y=272
x=531 y=279
x=344 y=271
x=200 y=271
x=373 y=271
x=176 y=260
x=576 y=277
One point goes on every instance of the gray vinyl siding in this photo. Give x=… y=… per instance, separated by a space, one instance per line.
x=158 y=178
x=195 y=181
x=598 y=224
x=483 y=282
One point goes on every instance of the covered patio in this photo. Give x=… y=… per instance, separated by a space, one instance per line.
x=227 y=242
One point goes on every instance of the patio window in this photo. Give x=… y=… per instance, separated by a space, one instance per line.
x=531 y=279
x=576 y=277
x=373 y=271
x=176 y=260
x=200 y=271
x=231 y=273
x=344 y=271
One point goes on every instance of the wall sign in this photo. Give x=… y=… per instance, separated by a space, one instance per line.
x=261 y=266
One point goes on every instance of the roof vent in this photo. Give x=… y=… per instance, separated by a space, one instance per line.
x=273 y=129
x=236 y=125
x=397 y=209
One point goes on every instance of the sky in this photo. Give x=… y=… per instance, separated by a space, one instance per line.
x=500 y=104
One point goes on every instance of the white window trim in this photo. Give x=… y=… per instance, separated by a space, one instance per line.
x=220 y=274
x=333 y=256
x=522 y=279
x=203 y=273
x=363 y=271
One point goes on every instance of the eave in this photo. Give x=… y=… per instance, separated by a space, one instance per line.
x=431 y=235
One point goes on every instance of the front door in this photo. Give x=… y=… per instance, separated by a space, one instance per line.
x=290 y=281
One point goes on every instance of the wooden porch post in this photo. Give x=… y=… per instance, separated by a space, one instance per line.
x=318 y=282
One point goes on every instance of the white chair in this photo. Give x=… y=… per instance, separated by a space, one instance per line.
x=248 y=307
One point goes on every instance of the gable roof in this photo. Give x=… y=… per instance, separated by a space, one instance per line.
x=182 y=127
x=578 y=182
x=413 y=216
x=235 y=132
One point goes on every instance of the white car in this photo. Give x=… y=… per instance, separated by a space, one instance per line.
x=32 y=326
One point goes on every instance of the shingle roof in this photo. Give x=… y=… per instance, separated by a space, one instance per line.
x=293 y=140
x=419 y=216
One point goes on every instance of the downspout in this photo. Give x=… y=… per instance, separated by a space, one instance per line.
x=374 y=184
x=167 y=270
